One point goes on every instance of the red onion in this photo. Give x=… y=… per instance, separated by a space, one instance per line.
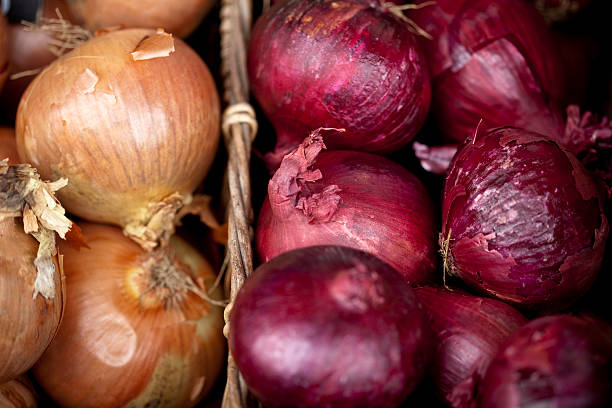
x=30 y=51
x=469 y=332
x=492 y=59
x=435 y=19
x=522 y=220
x=555 y=361
x=353 y=199
x=328 y=326
x=353 y=64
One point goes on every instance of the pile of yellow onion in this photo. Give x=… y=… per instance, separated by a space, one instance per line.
x=126 y=127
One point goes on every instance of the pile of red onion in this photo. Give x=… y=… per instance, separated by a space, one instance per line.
x=354 y=65
x=329 y=326
x=522 y=220
x=349 y=198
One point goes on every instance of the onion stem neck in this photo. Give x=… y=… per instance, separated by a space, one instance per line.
x=288 y=190
x=448 y=263
x=25 y=195
x=398 y=10
x=64 y=36
x=167 y=280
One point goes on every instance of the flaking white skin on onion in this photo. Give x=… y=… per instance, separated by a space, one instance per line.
x=131 y=118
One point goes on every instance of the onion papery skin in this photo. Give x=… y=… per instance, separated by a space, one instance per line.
x=328 y=326
x=522 y=220
x=361 y=200
x=179 y=17
x=8 y=145
x=494 y=60
x=469 y=330
x=27 y=324
x=4 y=64
x=18 y=393
x=555 y=361
x=119 y=345
x=124 y=132
x=352 y=65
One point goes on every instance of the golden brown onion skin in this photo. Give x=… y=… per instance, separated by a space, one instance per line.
x=4 y=65
x=125 y=133
x=27 y=325
x=18 y=393
x=179 y=17
x=113 y=350
x=8 y=145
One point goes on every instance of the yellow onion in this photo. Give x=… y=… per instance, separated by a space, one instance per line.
x=179 y=17
x=135 y=332
x=4 y=65
x=131 y=119
x=18 y=393
x=29 y=316
x=27 y=324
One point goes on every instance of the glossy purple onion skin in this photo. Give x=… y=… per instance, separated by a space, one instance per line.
x=495 y=60
x=350 y=64
x=469 y=331
x=329 y=327
x=376 y=206
x=436 y=19
x=524 y=218
x=557 y=361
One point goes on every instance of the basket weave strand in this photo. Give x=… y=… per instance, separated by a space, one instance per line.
x=239 y=128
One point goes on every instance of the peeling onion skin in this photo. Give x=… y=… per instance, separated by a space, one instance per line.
x=27 y=325
x=118 y=349
x=494 y=60
x=383 y=209
x=350 y=64
x=524 y=218
x=18 y=393
x=557 y=361
x=179 y=17
x=126 y=133
x=469 y=331
x=329 y=326
x=4 y=57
